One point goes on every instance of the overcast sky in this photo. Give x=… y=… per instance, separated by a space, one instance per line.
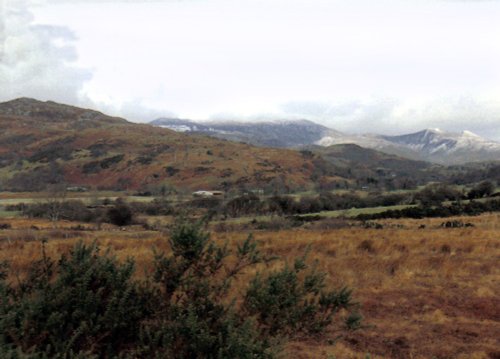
x=355 y=65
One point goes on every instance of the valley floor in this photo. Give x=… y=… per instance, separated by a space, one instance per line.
x=424 y=292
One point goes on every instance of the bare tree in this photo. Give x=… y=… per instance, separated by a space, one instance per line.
x=56 y=196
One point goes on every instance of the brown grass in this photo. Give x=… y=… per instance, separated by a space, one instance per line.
x=424 y=293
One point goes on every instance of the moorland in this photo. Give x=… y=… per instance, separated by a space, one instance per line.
x=416 y=243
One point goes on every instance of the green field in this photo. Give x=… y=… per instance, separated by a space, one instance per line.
x=5 y=214
x=353 y=212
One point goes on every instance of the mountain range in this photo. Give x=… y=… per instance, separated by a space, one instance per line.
x=432 y=145
x=282 y=134
x=46 y=143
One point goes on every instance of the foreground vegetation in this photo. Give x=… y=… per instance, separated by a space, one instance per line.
x=87 y=305
x=424 y=290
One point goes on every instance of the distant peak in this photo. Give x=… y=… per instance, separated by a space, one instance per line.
x=22 y=100
x=434 y=130
x=469 y=134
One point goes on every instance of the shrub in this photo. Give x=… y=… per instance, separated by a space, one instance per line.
x=483 y=189
x=71 y=210
x=288 y=304
x=36 y=179
x=244 y=205
x=171 y=171
x=97 y=166
x=88 y=306
x=157 y=207
x=435 y=194
x=208 y=203
x=366 y=246
x=120 y=214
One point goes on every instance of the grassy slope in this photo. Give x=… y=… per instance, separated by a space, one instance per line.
x=363 y=163
x=81 y=141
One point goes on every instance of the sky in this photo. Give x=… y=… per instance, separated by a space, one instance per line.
x=360 y=66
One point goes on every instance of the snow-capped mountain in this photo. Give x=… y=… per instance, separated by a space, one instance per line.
x=275 y=133
x=179 y=125
x=431 y=145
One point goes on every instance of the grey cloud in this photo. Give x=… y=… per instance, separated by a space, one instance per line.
x=394 y=116
x=350 y=116
x=35 y=60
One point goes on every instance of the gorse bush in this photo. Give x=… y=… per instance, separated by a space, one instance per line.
x=87 y=304
x=285 y=302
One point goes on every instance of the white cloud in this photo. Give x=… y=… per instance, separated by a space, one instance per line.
x=37 y=60
x=359 y=65
x=397 y=116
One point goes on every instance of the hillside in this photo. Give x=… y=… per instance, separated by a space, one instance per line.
x=44 y=142
x=373 y=168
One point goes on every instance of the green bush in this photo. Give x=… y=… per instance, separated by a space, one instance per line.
x=87 y=305
x=120 y=214
x=293 y=303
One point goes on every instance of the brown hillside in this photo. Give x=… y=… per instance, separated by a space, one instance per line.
x=44 y=142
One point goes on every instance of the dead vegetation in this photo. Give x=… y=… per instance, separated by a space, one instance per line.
x=425 y=290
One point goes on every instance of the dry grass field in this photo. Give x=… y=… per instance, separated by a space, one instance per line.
x=428 y=292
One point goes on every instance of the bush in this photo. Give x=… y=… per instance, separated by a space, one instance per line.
x=286 y=303
x=36 y=179
x=435 y=194
x=120 y=214
x=483 y=189
x=71 y=210
x=244 y=205
x=97 y=166
x=157 y=207
x=88 y=306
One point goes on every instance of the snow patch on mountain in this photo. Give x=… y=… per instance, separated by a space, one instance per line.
x=432 y=144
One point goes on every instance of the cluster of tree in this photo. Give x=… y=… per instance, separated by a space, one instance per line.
x=482 y=189
x=474 y=173
x=471 y=208
x=116 y=212
x=250 y=204
x=436 y=194
x=87 y=304
x=430 y=200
